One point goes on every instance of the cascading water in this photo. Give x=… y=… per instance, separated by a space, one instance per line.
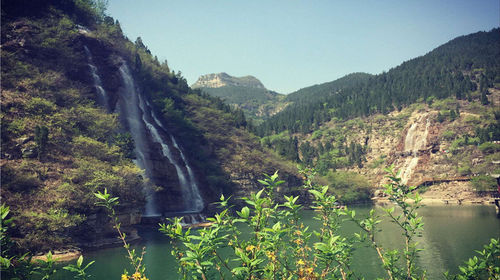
x=102 y=97
x=197 y=200
x=129 y=110
x=192 y=190
x=415 y=140
x=191 y=196
x=138 y=114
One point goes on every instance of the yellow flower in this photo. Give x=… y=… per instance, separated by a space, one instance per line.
x=124 y=277
x=137 y=276
x=300 y=262
x=271 y=256
x=250 y=248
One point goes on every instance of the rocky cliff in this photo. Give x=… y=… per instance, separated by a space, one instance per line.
x=222 y=79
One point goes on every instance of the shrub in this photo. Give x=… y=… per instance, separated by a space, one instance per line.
x=16 y=127
x=88 y=147
x=349 y=187
x=484 y=183
x=464 y=170
x=472 y=120
x=489 y=147
x=19 y=180
x=448 y=135
x=40 y=106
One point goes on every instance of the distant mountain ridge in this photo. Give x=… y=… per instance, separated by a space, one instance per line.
x=246 y=93
x=312 y=92
x=217 y=80
x=447 y=71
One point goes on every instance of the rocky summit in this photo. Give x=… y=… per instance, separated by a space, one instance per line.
x=223 y=79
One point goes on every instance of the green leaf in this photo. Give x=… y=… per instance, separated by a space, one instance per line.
x=277 y=226
x=263 y=182
x=79 y=261
x=274 y=176
x=321 y=247
x=245 y=212
x=71 y=268
x=324 y=190
x=178 y=229
x=316 y=193
x=239 y=270
x=259 y=194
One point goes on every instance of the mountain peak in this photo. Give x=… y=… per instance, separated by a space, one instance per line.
x=217 y=80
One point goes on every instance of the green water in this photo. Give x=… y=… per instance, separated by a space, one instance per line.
x=451 y=235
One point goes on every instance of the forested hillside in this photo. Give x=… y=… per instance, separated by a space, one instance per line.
x=247 y=94
x=457 y=68
x=59 y=145
x=258 y=104
x=446 y=101
x=313 y=93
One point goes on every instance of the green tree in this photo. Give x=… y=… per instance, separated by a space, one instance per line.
x=41 y=139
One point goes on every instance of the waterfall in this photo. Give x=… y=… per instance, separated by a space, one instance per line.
x=197 y=201
x=194 y=193
x=102 y=97
x=415 y=140
x=138 y=114
x=127 y=106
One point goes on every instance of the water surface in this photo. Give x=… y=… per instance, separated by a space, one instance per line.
x=451 y=234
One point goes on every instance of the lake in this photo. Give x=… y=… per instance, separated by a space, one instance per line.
x=451 y=234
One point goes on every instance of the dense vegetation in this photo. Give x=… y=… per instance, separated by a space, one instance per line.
x=257 y=103
x=330 y=126
x=453 y=69
x=59 y=146
x=312 y=93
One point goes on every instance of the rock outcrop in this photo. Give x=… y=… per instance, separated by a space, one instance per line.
x=223 y=79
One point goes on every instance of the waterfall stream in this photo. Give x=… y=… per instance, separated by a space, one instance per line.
x=415 y=140
x=102 y=97
x=192 y=191
x=142 y=123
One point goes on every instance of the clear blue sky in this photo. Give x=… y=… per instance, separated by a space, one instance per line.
x=290 y=44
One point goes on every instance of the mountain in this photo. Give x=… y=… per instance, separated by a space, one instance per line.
x=435 y=118
x=246 y=93
x=85 y=109
x=309 y=94
x=223 y=79
x=449 y=70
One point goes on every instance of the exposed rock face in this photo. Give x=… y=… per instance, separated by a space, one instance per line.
x=223 y=79
x=160 y=172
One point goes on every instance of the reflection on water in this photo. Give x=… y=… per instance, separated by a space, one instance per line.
x=451 y=235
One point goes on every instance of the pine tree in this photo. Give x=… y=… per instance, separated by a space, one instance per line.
x=41 y=139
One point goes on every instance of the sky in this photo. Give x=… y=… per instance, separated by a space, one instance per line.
x=292 y=44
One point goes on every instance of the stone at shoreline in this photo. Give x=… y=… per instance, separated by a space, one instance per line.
x=63 y=256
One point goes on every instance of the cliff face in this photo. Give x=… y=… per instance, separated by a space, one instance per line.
x=223 y=79
x=246 y=93
x=426 y=144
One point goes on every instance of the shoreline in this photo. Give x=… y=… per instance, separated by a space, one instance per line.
x=441 y=201
x=59 y=257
